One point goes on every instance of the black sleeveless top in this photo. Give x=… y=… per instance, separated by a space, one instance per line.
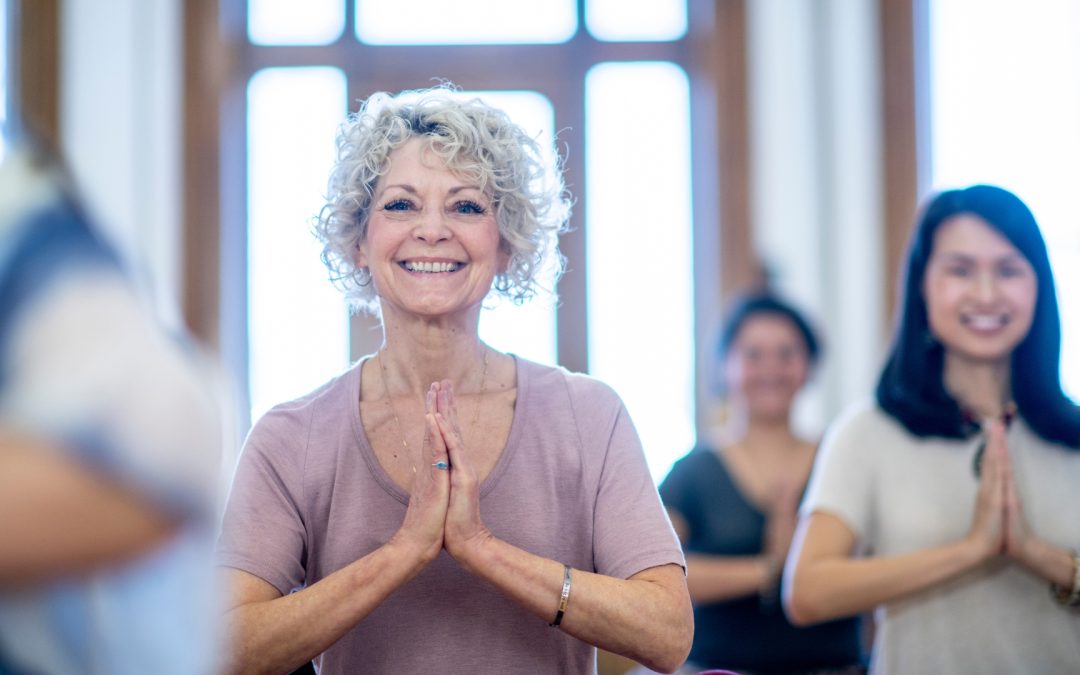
x=749 y=632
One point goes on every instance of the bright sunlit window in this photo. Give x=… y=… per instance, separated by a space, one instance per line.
x=288 y=22
x=640 y=233
x=1005 y=108
x=618 y=20
x=527 y=330
x=432 y=22
x=629 y=313
x=297 y=321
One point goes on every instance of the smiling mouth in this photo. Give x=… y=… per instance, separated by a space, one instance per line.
x=985 y=322
x=430 y=267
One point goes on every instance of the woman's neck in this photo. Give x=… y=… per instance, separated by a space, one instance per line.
x=984 y=388
x=761 y=435
x=416 y=353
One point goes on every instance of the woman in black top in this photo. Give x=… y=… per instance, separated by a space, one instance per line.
x=734 y=501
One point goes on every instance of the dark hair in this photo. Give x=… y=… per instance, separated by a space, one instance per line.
x=746 y=307
x=912 y=388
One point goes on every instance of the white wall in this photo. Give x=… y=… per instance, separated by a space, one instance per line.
x=120 y=127
x=815 y=176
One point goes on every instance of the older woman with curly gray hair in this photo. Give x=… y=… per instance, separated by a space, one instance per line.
x=442 y=505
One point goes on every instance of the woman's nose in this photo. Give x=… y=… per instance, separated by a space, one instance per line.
x=432 y=226
x=985 y=287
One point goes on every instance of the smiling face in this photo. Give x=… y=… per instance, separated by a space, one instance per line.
x=432 y=243
x=767 y=365
x=980 y=291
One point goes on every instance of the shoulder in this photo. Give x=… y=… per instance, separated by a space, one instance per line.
x=860 y=433
x=291 y=422
x=1029 y=438
x=693 y=466
x=864 y=417
x=581 y=391
x=700 y=457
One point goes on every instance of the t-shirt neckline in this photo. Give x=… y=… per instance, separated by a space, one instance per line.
x=383 y=478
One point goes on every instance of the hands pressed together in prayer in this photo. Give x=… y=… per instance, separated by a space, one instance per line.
x=444 y=508
x=999 y=526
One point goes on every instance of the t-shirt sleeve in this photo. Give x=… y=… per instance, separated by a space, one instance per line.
x=843 y=479
x=632 y=531
x=263 y=529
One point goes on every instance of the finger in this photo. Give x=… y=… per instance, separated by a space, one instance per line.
x=1012 y=498
x=1001 y=455
x=440 y=459
x=991 y=459
x=454 y=447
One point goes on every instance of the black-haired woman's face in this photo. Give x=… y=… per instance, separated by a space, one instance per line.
x=767 y=365
x=980 y=290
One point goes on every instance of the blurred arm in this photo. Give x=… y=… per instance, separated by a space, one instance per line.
x=60 y=518
x=715 y=578
x=825 y=582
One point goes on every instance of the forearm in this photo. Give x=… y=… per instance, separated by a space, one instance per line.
x=830 y=588
x=714 y=578
x=280 y=634
x=60 y=518
x=1049 y=561
x=647 y=618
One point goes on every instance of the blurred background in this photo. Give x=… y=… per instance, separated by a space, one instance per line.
x=712 y=146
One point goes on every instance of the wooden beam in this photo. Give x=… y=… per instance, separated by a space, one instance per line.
x=901 y=137
x=37 y=67
x=201 y=216
x=740 y=267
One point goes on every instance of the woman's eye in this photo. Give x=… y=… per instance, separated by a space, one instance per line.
x=1011 y=271
x=469 y=208
x=957 y=271
x=397 y=205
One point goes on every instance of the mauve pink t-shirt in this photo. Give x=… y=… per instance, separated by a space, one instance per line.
x=309 y=497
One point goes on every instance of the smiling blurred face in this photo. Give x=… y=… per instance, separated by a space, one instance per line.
x=767 y=365
x=980 y=291
x=432 y=242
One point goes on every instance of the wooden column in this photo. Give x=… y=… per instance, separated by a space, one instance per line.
x=37 y=67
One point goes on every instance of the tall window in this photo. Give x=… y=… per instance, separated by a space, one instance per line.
x=1005 y=101
x=608 y=80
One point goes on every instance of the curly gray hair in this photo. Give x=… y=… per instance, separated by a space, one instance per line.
x=476 y=140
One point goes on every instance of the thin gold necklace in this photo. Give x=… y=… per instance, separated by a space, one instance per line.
x=393 y=409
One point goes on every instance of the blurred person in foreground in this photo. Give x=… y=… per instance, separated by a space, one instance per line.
x=109 y=449
x=442 y=506
x=950 y=503
x=734 y=498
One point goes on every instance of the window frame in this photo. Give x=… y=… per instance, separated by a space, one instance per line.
x=219 y=60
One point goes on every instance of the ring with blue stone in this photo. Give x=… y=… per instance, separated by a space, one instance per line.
x=440 y=465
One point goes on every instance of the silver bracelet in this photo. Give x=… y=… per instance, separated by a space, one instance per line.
x=1065 y=596
x=564 y=598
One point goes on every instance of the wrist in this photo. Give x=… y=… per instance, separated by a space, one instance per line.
x=475 y=552
x=977 y=549
x=1068 y=594
x=772 y=567
x=411 y=551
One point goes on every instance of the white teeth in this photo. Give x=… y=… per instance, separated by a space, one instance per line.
x=986 y=322
x=431 y=266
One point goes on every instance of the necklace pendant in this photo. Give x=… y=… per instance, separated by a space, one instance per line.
x=976 y=461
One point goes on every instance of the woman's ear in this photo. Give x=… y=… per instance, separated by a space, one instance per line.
x=503 y=264
x=360 y=259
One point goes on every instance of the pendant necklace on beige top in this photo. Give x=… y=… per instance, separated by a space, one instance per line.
x=972 y=420
x=393 y=409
